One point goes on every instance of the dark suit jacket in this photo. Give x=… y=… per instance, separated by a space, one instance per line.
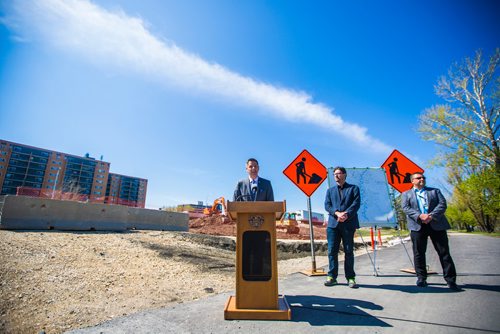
x=243 y=191
x=350 y=203
x=437 y=207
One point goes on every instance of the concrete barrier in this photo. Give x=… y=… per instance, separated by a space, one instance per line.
x=31 y=213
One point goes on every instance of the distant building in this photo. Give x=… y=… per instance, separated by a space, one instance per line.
x=126 y=190
x=33 y=171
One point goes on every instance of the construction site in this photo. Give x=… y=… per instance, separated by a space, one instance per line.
x=215 y=220
x=82 y=270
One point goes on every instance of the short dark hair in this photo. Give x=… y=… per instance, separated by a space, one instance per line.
x=252 y=159
x=342 y=169
x=412 y=176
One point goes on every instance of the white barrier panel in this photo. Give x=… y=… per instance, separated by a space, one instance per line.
x=31 y=213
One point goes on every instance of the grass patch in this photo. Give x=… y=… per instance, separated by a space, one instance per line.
x=365 y=232
x=493 y=234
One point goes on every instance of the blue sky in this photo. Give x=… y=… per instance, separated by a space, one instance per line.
x=183 y=92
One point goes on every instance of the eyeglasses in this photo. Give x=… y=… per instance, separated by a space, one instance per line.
x=419 y=178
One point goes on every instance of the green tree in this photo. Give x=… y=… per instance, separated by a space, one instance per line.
x=459 y=215
x=467 y=129
x=400 y=214
x=481 y=194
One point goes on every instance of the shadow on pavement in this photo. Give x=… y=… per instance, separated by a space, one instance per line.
x=323 y=311
x=431 y=288
x=495 y=288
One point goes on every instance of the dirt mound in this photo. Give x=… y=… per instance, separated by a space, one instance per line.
x=224 y=226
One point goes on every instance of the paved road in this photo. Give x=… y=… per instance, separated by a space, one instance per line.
x=387 y=303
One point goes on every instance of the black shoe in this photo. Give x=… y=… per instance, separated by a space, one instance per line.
x=422 y=283
x=453 y=286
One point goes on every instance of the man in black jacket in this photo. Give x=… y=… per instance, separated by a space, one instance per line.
x=342 y=203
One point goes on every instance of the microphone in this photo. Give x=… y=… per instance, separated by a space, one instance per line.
x=254 y=192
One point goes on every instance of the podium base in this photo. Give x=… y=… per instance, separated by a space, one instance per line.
x=317 y=272
x=282 y=313
x=412 y=271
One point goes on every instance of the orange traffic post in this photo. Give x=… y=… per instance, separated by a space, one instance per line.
x=372 y=238
x=379 y=238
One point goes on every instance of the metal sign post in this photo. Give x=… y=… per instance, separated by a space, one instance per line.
x=314 y=271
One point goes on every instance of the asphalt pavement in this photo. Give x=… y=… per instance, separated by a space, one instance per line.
x=388 y=302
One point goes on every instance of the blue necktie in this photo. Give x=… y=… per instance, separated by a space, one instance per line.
x=423 y=201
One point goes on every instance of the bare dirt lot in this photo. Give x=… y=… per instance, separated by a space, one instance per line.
x=56 y=281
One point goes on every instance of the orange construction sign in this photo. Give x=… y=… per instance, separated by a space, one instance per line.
x=399 y=169
x=306 y=172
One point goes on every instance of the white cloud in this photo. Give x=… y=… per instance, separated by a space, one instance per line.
x=116 y=39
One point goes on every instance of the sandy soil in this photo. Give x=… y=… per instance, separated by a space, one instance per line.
x=57 y=281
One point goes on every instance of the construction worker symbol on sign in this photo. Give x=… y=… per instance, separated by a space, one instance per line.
x=301 y=173
x=306 y=172
x=398 y=169
x=394 y=172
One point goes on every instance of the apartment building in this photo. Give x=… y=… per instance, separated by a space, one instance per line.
x=33 y=171
x=126 y=190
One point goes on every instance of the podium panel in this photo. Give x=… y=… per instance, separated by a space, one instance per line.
x=256 y=262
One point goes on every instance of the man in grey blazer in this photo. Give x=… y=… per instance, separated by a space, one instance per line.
x=424 y=208
x=253 y=188
x=342 y=203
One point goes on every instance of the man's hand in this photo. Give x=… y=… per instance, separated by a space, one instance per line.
x=341 y=216
x=425 y=218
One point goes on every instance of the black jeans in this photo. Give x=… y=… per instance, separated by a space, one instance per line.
x=334 y=236
x=440 y=241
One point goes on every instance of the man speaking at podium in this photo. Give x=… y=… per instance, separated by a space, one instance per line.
x=253 y=188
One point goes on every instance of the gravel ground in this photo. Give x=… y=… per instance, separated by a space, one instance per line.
x=57 y=281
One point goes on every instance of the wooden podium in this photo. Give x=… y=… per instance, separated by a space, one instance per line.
x=256 y=263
